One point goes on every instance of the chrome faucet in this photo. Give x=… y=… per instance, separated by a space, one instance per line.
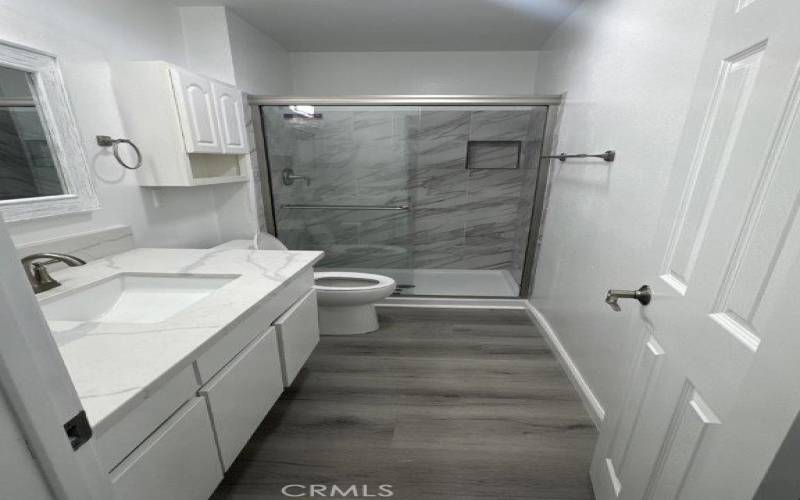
x=37 y=273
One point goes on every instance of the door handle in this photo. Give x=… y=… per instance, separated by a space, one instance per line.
x=644 y=295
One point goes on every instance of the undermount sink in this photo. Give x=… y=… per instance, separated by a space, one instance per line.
x=133 y=298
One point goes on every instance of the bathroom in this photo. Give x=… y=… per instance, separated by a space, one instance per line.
x=447 y=249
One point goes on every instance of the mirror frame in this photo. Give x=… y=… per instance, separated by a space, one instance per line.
x=52 y=103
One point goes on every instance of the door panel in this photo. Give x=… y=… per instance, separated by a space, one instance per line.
x=722 y=125
x=690 y=420
x=715 y=333
x=642 y=379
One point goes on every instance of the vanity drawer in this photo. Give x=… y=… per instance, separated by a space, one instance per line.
x=118 y=441
x=178 y=461
x=242 y=393
x=218 y=355
x=298 y=335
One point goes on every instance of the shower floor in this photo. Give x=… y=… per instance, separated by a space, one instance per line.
x=449 y=282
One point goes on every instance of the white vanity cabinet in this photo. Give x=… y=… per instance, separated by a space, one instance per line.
x=242 y=393
x=177 y=462
x=178 y=442
x=190 y=129
x=298 y=335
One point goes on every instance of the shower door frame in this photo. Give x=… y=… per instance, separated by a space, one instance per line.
x=541 y=190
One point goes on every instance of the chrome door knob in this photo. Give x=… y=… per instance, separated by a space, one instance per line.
x=644 y=295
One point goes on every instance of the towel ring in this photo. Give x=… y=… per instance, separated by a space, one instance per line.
x=105 y=141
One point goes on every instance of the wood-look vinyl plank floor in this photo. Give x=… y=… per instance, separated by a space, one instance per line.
x=439 y=403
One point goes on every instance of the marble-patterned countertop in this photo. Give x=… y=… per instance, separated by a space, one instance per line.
x=114 y=366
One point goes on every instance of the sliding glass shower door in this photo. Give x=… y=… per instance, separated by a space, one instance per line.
x=438 y=197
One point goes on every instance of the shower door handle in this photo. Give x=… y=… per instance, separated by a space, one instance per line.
x=644 y=295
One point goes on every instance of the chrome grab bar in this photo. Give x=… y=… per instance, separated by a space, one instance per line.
x=345 y=207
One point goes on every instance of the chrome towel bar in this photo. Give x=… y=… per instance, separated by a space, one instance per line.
x=607 y=156
x=345 y=207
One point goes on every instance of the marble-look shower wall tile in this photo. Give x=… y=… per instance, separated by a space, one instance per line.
x=436 y=184
x=437 y=122
x=383 y=163
x=373 y=125
x=499 y=125
x=531 y=164
x=459 y=218
x=486 y=257
x=498 y=186
x=493 y=155
x=406 y=123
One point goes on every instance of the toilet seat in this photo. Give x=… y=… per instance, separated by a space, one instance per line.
x=371 y=281
x=374 y=288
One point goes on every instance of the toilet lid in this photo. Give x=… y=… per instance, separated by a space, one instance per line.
x=340 y=280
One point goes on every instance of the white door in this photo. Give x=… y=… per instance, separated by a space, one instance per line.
x=230 y=112
x=39 y=391
x=197 y=111
x=716 y=384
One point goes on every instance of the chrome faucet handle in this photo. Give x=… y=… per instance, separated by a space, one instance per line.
x=644 y=295
x=289 y=177
x=37 y=273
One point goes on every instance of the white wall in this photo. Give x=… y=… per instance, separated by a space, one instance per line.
x=351 y=73
x=629 y=68
x=206 y=42
x=85 y=36
x=261 y=65
x=222 y=45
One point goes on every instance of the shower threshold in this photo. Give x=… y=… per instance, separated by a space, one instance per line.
x=448 y=282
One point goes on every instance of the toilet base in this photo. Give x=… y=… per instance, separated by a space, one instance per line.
x=347 y=320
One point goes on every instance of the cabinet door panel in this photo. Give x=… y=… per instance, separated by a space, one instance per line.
x=230 y=112
x=177 y=462
x=241 y=395
x=298 y=335
x=197 y=111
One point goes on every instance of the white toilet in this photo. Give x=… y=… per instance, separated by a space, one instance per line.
x=346 y=300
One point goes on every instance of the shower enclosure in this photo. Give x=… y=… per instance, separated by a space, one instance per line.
x=439 y=196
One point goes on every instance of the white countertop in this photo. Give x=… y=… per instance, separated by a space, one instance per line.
x=116 y=365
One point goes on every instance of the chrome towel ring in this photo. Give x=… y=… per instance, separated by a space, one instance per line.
x=106 y=141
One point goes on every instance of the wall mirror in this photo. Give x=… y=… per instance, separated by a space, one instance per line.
x=43 y=168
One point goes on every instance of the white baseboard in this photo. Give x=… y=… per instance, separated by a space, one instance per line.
x=590 y=401
x=454 y=303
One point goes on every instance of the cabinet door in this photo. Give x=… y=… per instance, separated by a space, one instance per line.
x=230 y=111
x=197 y=112
x=240 y=395
x=298 y=335
x=178 y=461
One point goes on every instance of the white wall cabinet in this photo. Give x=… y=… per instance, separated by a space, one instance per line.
x=230 y=115
x=190 y=129
x=197 y=110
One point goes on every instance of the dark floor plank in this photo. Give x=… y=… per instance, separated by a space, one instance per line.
x=441 y=404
